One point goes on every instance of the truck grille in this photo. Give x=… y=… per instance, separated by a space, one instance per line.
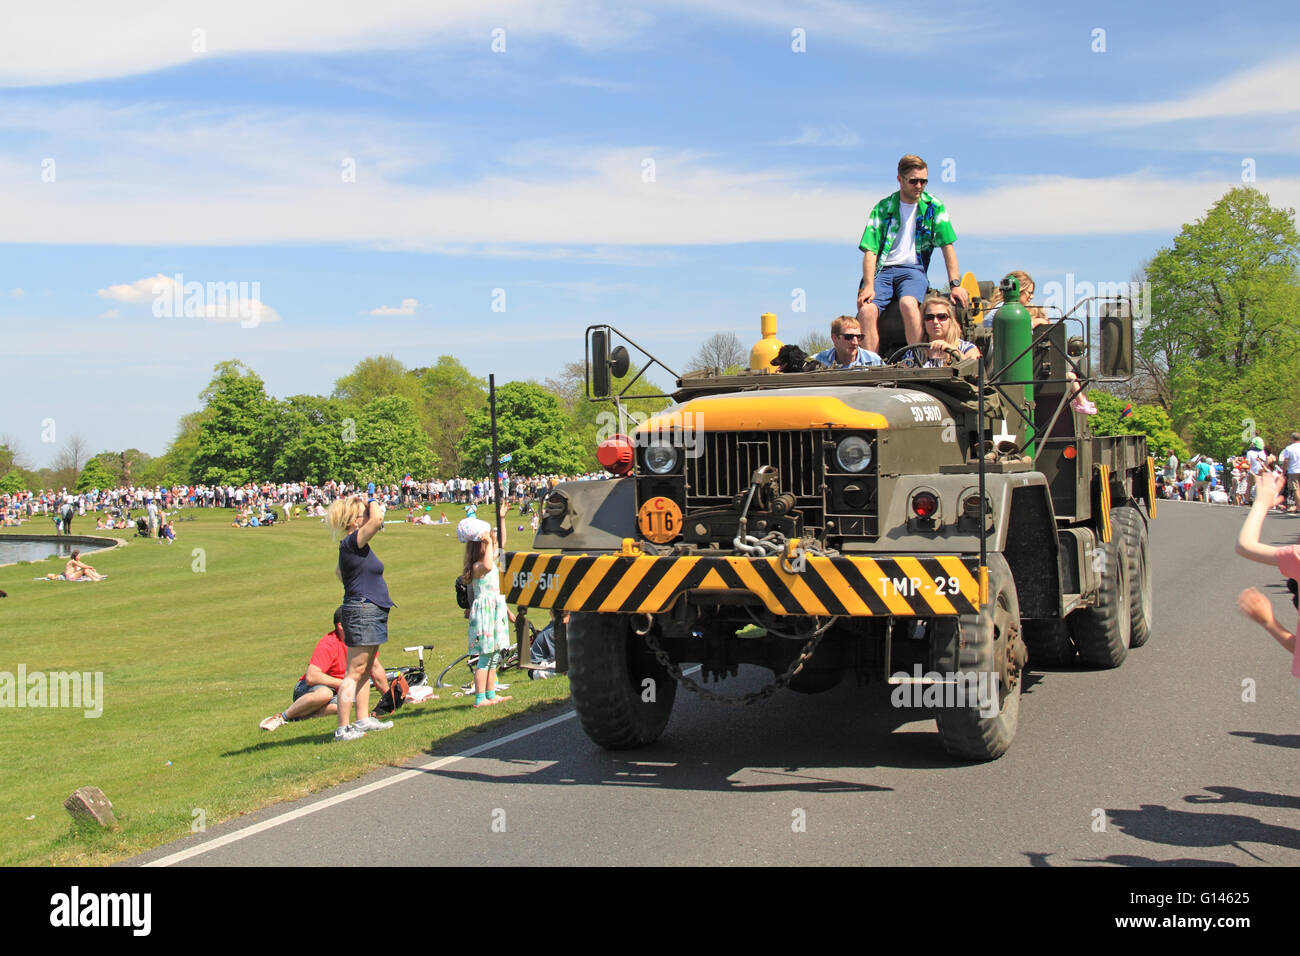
x=724 y=465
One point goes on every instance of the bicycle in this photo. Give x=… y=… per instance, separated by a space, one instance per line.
x=509 y=661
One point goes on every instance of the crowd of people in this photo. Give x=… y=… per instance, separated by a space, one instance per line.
x=254 y=501
x=1231 y=482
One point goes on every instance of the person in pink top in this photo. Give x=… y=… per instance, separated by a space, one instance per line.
x=1268 y=489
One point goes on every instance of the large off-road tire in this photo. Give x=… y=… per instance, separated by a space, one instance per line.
x=1049 y=643
x=992 y=646
x=608 y=667
x=1131 y=525
x=1103 y=633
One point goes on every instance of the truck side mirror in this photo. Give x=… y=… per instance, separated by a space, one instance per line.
x=1116 y=325
x=606 y=363
x=599 y=370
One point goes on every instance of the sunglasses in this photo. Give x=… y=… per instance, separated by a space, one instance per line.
x=938 y=316
x=852 y=336
x=917 y=182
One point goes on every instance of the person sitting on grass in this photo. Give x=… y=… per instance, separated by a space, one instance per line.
x=76 y=570
x=169 y=533
x=316 y=693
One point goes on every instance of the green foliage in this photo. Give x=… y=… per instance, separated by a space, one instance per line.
x=450 y=395
x=1223 y=337
x=12 y=482
x=94 y=475
x=377 y=376
x=1218 y=430
x=530 y=426
x=229 y=436
x=389 y=442
x=304 y=438
x=177 y=462
x=1150 y=420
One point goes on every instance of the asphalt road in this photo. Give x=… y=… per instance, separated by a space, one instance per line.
x=1160 y=762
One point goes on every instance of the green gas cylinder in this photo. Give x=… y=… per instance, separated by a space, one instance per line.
x=1013 y=330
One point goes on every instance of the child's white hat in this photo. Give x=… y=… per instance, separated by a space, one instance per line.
x=471 y=529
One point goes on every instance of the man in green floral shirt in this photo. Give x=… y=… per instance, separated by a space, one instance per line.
x=901 y=235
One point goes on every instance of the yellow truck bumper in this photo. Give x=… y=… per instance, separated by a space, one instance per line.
x=852 y=586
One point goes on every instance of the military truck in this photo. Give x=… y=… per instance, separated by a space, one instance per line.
x=937 y=528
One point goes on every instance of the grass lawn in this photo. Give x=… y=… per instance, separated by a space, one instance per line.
x=192 y=660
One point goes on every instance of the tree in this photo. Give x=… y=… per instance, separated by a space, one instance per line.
x=389 y=442
x=815 y=342
x=307 y=434
x=93 y=476
x=11 y=455
x=12 y=482
x=531 y=428
x=176 y=464
x=721 y=350
x=450 y=395
x=70 y=460
x=230 y=434
x=1221 y=298
x=376 y=376
x=1150 y=420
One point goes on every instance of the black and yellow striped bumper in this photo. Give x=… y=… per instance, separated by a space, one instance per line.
x=856 y=586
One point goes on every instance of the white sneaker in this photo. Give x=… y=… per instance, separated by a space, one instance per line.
x=367 y=724
x=272 y=722
x=350 y=732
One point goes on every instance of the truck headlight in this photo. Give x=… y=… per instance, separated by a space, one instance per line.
x=853 y=454
x=660 y=458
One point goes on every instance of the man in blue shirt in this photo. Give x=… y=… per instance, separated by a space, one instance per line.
x=846 y=333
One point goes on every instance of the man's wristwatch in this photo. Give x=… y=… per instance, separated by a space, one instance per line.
x=954 y=283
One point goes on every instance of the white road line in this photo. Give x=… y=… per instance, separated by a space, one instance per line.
x=263 y=826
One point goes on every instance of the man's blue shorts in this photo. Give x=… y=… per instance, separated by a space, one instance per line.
x=894 y=282
x=302 y=687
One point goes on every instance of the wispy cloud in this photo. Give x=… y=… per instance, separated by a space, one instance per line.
x=834 y=135
x=15 y=292
x=1265 y=90
x=70 y=41
x=407 y=307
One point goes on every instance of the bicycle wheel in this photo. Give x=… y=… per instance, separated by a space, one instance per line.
x=441 y=682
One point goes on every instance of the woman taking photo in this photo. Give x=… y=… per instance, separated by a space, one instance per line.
x=365 y=609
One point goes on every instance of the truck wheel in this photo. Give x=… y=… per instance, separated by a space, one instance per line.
x=992 y=648
x=1103 y=633
x=623 y=696
x=1049 y=643
x=1130 y=523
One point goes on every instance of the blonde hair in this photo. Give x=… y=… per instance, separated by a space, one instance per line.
x=952 y=331
x=344 y=511
x=1023 y=279
x=837 y=323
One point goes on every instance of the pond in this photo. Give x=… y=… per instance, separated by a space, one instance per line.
x=12 y=551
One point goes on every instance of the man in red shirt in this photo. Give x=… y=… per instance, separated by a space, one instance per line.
x=316 y=692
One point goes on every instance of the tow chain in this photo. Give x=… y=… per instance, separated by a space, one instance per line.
x=746 y=699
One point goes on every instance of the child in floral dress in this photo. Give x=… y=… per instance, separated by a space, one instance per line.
x=489 y=617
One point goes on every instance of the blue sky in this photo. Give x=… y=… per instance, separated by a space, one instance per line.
x=673 y=168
